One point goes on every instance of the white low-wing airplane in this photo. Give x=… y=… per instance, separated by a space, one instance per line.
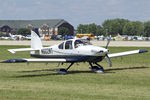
x=70 y=51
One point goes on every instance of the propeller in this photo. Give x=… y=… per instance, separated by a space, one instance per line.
x=107 y=57
x=108 y=41
x=108 y=60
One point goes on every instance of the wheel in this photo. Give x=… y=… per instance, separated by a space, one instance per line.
x=62 y=71
x=97 y=69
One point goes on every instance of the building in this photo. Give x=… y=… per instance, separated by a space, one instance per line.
x=46 y=27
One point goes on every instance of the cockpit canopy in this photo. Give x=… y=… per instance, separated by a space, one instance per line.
x=78 y=43
x=70 y=44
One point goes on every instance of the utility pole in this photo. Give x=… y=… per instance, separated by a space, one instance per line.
x=81 y=31
x=106 y=32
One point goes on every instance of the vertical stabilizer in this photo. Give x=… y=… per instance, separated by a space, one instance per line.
x=35 y=40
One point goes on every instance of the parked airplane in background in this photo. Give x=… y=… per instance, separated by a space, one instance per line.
x=15 y=37
x=70 y=51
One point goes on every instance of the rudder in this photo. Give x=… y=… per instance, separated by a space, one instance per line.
x=36 y=42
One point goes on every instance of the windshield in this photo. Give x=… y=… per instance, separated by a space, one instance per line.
x=78 y=43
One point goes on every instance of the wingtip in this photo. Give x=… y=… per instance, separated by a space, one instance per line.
x=11 y=51
x=14 y=61
x=143 y=51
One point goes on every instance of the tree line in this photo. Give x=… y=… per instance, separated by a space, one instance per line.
x=117 y=26
x=109 y=26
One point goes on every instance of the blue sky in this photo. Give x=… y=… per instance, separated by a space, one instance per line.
x=76 y=11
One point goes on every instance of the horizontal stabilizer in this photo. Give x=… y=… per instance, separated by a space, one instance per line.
x=21 y=49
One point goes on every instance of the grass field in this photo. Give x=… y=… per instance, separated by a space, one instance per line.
x=128 y=79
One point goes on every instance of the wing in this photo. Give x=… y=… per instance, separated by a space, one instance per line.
x=22 y=60
x=51 y=60
x=126 y=53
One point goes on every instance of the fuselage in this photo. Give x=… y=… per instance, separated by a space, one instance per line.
x=73 y=49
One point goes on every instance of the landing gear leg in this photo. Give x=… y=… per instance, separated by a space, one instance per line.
x=64 y=71
x=98 y=68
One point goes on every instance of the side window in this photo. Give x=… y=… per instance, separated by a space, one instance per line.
x=68 y=45
x=61 y=46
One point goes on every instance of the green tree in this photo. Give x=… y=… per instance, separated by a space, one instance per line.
x=147 y=29
x=122 y=23
x=82 y=28
x=1 y=34
x=23 y=31
x=128 y=29
x=133 y=28
x=114 y=26
x=63 y=31
x=138 y=28
x=99 y=30
x=92 y=28
x=107 y=25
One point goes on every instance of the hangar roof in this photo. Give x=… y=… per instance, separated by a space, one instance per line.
x=35 y=23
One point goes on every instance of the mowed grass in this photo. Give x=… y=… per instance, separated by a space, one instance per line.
x=128 y=79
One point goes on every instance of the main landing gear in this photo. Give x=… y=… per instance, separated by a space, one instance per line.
x=64 y=71
x=98 y=68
